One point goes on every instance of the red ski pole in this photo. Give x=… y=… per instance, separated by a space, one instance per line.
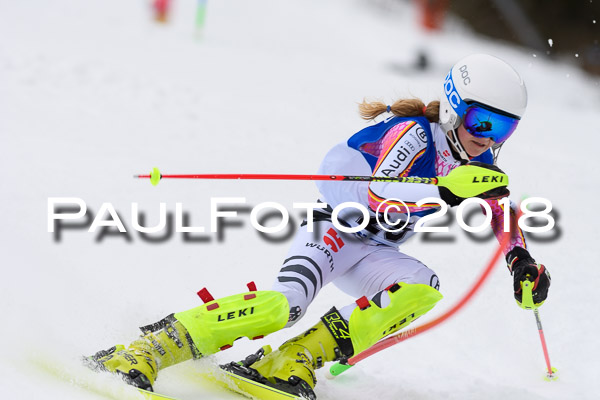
x=155 y=177
x=551 y=375
x=465 y=181
x=528 y=304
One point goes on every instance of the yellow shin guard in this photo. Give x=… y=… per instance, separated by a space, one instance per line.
x=370 y=323
x=217 y=324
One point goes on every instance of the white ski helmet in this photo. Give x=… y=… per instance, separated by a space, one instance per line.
x=485 y=80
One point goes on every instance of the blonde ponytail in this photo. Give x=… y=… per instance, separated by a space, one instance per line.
x=401 y=108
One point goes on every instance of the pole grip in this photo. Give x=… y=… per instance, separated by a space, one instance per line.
x=527 y=302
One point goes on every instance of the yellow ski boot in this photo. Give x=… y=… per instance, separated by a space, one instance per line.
x=163 y=344
x=291 y=368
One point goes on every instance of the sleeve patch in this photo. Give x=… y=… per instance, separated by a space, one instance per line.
x=402 y=149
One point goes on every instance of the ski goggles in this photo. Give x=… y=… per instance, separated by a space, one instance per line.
x=483 y=122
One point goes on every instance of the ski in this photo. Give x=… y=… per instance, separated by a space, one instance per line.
x=235 y=383
x=154 y=396
x=91 y=381
x=248 y=387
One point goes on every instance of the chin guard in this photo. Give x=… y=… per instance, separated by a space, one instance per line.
x=452 y=136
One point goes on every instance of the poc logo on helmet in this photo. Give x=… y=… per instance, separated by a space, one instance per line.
x=451 y=93
x=449 y=88
x=464 y=73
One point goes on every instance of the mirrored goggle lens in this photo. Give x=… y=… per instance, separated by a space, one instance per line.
x=484 y=123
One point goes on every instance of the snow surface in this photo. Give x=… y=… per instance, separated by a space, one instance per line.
x=93 y=92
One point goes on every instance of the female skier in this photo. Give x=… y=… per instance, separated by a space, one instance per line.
x=482 y=102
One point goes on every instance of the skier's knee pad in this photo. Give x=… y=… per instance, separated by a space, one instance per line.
x=370 y=323
x=217 y=324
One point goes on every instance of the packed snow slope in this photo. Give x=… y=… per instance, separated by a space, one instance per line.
x=93 y=92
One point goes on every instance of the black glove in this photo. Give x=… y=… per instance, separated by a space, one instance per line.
x=450 y=198
x=523 y=267
x=497 y=193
